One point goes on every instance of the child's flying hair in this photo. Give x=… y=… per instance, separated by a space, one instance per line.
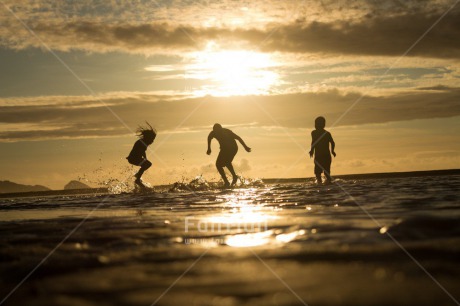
x=145 y=133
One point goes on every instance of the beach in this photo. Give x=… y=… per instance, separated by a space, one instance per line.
x=359 y=241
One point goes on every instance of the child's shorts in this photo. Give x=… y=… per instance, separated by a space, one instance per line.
x=323 y=165
x=143 y=163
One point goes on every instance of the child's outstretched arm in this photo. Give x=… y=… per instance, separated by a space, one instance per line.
x=333 y=146
x=248 y=149
x=312 y=148
x=210 y=137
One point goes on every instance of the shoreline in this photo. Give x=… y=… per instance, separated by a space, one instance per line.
x=378 y=175
x=87 y=191
x=103 y=191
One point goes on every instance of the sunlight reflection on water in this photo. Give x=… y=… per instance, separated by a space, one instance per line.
x=249 y=214
x=250 y=219
x=249 y=240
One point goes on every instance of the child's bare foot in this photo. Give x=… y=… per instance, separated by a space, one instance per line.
x=141 y=186
x=226 y=185
x=235 y=179
x=138 y=181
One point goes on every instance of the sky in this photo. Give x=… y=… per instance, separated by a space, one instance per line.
x=78 y=77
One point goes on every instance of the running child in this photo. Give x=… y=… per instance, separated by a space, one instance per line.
x=228 y=149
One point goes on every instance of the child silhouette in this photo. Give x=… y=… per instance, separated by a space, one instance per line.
x=137 y=156
x=228 y=150
x=320 y=139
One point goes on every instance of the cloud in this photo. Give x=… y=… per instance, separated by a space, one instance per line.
x=290 y=110
x=372 y=34
x=243 y=166
x=207 y=169
x=409 y=162
x=356 y=163
x=437 y=87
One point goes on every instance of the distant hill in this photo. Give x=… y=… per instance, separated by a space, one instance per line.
x=76 y=185
x=10 y=187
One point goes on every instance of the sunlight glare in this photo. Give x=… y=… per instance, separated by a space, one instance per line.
x=249 y=240
x=232 y=72
x=242 y=215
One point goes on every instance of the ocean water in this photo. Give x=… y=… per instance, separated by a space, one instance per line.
x=392 y=241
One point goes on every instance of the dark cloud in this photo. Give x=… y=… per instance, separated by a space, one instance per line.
x=66 y=132
x=292 y=111
x=379 y=35
x=437 y=87
x=373 y=36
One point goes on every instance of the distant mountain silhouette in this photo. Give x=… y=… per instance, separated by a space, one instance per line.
x=10 y=187
x=76 y=185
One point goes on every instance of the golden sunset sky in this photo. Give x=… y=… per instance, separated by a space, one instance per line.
x=78 y=77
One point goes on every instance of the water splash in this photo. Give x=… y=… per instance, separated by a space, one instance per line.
x=115 y=186
x=197 y=184
x=249 y=182
x=116 y=179
x=201 y=184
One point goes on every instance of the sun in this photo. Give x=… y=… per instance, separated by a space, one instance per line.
x=233 y=72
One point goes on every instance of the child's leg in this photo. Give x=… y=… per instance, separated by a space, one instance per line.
x=319 y=180
x=220 y=164
x=327 y=171
x=232 y=171
x=318 y=171
x=231 y=156
x=145 y=164
x=222 y=174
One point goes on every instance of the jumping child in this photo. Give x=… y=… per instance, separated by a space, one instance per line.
x=320 y=139
x=137 y=156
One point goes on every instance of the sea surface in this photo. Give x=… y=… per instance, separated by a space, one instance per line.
x=391 y=241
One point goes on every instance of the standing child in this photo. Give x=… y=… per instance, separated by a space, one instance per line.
x=320 y=139
x=137 y=156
